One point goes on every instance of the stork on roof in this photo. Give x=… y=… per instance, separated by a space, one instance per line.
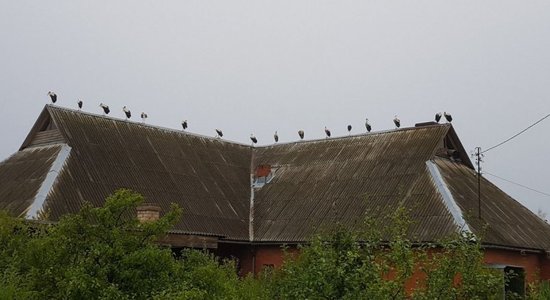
x=127 y=112
x=448 y=117
x=327 y=132
x=105 y=108
x=438 y=117
x=53 y=96
x=367 y=125
x=397 y=122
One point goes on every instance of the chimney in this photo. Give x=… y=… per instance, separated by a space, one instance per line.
x=148 y=212
x=423 y=124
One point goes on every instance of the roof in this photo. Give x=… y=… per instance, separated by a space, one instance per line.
x=312 y=184
x=322 y=182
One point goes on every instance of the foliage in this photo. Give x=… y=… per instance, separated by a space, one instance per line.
x=105 y=253
x=540 y=291
x=336 y=266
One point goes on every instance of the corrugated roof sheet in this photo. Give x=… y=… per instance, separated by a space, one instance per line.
x=504 y=221
x=208 y=178
x=315 y=183
x=22 y=174
x=319 y=183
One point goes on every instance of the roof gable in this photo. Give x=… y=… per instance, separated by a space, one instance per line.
x=44 y=132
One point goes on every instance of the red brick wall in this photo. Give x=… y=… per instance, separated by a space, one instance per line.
x=530 y=262
x=252 y=259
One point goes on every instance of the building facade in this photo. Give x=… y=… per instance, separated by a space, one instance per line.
x=246 y=202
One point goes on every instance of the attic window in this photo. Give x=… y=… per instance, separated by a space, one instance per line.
x=262 y=176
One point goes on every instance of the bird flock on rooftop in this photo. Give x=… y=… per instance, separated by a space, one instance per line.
x=219 y=132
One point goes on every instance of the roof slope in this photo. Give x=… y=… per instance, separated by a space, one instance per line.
x=322 y=182
x=208 y=178
x=505 y=222
x=22 y=175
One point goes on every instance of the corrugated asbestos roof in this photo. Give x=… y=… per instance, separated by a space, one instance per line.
x=319 y=183
x=21 y=176
x=505 y=221
x=208 y=178
x=315 y=184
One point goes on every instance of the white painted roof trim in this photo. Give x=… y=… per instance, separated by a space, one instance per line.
x=447 y=196
x=40 y=198
x=251 y=212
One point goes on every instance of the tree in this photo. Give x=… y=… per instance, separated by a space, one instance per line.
x=378 y=262
x=105 y=253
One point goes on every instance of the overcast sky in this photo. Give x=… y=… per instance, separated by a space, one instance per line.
x=260 y=66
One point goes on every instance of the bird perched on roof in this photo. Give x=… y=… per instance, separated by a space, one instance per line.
x=53 y=96
x=143 y=117
x=438 y=117
x=301 y=134
x=127 y=112
x=448 y=117
x=219 y=132
x=327 y=132
x=80 y=103
x=253 y=139
x=184 y=124
x=397 y=122
x=367 y=125
x=106 y=109
x=349 y=129
x=276 y=137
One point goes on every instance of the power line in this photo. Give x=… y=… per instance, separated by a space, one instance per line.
x=518 y=184
x=524 y=130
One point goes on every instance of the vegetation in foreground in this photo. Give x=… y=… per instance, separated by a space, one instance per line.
x=105 y=253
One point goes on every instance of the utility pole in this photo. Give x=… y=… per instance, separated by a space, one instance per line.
x=479 y=159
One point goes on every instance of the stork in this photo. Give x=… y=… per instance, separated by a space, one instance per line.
x=349 y=129
x=276 y=137
x=219 y=132
x=367 y=125
x=438 y=117
x=79 y=104
x=106 y=109
x=127 y=112
x=53 y=96
x=184 y=124
x=397 y=122
x=301 y=134
x=253 y=139
x=143 y=117
x=327 y=132
x=448 y=117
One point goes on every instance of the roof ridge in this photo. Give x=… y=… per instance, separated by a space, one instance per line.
x=365 y=134
x=375 y=133
x=151 y=126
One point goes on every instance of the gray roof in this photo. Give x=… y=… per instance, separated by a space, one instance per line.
x=314 y=184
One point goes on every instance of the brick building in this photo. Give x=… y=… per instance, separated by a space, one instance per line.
x=246 y=202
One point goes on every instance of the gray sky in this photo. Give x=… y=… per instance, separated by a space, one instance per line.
x=260 y=66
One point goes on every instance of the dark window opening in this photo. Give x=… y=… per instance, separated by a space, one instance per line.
x=514 y=283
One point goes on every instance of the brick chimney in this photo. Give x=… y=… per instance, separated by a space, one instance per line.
x=148 y=212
